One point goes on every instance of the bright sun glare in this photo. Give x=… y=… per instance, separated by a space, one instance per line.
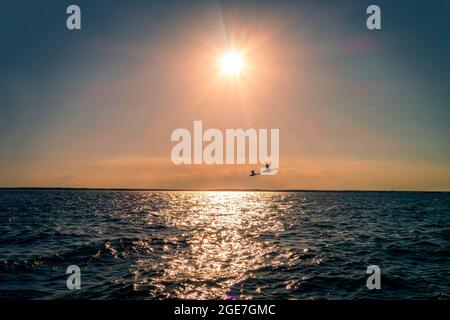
x=232 y=63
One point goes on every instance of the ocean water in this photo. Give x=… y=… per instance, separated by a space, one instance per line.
x=224 y=245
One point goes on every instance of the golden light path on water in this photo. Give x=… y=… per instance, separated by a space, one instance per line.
x=223 y=234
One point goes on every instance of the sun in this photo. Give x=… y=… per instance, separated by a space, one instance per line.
x=232 y=63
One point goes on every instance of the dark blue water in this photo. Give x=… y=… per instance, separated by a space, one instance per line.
x=201 y=245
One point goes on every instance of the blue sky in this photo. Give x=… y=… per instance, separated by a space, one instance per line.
x=77 y=107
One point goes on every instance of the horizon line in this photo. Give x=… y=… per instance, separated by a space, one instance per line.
x=220 y=190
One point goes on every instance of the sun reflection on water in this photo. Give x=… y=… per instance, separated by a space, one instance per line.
x=222 y=237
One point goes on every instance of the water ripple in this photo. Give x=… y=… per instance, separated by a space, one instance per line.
x=226 y=245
